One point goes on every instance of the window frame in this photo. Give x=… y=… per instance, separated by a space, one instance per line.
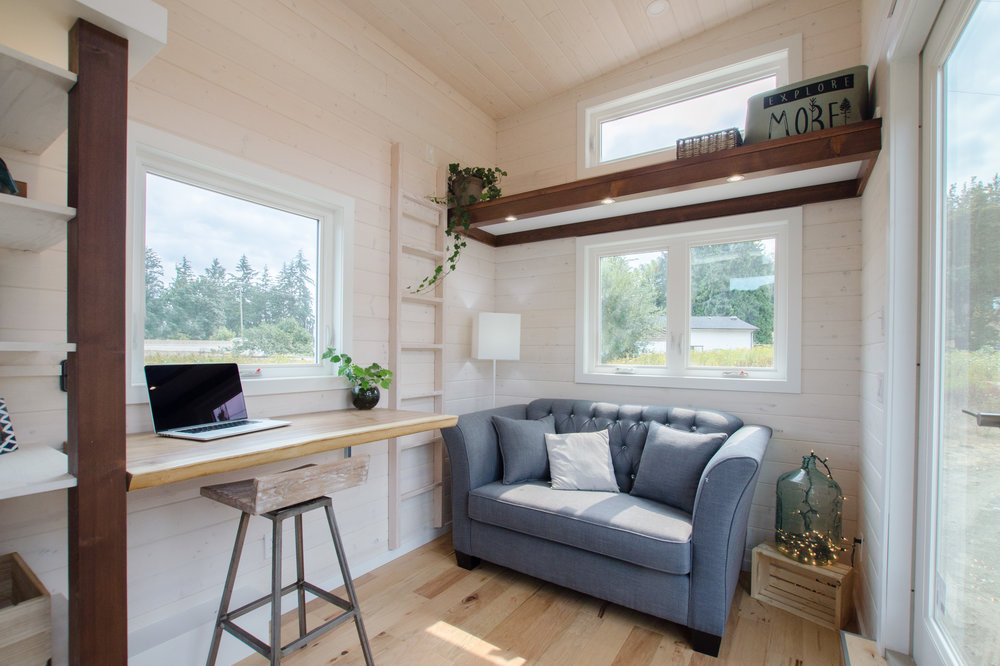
x=154 y=151
x=677 y=239
x=782 y=59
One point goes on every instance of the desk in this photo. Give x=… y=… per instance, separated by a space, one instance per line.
x=155 y=461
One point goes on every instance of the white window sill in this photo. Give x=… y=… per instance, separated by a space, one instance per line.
x=766 y=385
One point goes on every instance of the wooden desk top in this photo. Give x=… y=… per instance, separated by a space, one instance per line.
x=156 y=461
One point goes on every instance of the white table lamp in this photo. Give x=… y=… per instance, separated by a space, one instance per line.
x=496 y=336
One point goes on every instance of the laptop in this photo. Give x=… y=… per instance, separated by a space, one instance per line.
x=200 y=401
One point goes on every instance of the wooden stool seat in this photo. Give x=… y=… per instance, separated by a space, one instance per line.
x=276 y=497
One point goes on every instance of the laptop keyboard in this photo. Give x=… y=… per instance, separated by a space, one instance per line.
x=217 y=426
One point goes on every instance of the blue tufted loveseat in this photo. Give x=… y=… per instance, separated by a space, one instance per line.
x=625 y=549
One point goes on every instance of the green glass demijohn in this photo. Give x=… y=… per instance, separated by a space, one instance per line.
x=808 y=518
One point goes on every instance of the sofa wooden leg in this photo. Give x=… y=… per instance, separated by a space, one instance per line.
x=466 y=561
x=706 y=643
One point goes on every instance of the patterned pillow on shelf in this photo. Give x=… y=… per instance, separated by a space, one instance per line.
x=8 y=442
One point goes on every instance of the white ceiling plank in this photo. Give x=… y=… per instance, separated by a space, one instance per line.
x=688 y=17
x=508 y=55
x=498 y=63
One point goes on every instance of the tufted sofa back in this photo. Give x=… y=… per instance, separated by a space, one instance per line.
x=628 y=426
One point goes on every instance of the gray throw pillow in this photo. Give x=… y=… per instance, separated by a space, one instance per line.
x=671 y=464
x=581 y=461
x=522 y=447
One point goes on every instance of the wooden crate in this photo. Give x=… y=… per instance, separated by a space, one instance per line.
x=821 y=594
x=25 y=620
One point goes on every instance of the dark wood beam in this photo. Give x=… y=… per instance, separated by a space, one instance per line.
x=849 y=143
x=751 y=204
x=98 y=603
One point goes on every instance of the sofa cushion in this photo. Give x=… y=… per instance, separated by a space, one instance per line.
x=625 y=527
x=627 y=425
x=672 y=463
x=580 y=461
x=522 y=447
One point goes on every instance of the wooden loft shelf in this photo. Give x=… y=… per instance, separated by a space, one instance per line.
x=766 y=167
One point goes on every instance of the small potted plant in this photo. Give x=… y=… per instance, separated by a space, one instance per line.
x=466 y=186
x=365 y=381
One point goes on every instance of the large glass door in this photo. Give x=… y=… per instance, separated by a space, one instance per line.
x=958 y=600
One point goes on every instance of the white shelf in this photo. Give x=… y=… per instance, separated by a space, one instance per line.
x=57 y=347
x=33 y=468
x=26 y=224
x=34 y=101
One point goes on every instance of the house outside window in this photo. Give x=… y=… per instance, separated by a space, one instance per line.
x=641 y=124
x=698 y=305
x=227 y=267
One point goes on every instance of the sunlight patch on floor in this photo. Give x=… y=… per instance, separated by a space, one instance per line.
x=472 y=644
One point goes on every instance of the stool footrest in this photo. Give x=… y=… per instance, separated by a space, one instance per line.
x=265 y=650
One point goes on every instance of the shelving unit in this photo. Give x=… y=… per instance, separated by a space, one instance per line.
x=32 y=469
x=35 y=113
x=110 y=40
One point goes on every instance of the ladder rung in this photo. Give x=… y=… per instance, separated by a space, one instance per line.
x=422 y=300
x=426 y=253
x=420 y=491
x=418 y=346
x=423 y=201
x=418 y=396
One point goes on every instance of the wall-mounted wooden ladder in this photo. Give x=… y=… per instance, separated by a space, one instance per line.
x=416 y=339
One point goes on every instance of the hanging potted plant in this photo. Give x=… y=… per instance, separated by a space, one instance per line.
x=466 y=186
x=365 y=381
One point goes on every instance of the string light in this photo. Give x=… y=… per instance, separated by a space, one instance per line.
x=801 y=531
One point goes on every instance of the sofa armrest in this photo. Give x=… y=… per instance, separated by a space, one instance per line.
x=719 y=526
x=474 y=453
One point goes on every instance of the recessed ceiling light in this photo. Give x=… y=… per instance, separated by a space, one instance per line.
x=607 y=201
x=657 y=7
x=735 y=178
x=511 y=218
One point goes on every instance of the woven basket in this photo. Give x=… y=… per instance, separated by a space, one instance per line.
x=708 y=143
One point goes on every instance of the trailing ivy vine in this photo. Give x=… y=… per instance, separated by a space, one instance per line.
x=457 y=201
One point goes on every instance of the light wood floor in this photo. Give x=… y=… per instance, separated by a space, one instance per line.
x=423 y=609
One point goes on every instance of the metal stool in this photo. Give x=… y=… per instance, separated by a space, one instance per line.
x=277 y=497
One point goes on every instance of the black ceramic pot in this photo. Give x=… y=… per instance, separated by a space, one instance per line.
x=365 y=398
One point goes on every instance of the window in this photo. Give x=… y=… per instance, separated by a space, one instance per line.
x=699 y=305
x=640 y=126
x=234 y=263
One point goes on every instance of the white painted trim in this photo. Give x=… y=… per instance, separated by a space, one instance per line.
x=784 y=56
x=785 y=225
x=894 y=623
x=930 y=645
x=149 y=147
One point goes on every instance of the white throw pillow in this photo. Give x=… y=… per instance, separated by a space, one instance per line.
x=581 y=461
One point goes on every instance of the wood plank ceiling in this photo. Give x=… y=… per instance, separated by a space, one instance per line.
x=508 y=55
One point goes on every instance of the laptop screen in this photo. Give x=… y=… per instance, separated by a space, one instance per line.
x=182 y=395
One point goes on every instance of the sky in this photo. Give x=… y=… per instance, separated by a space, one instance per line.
x=187 y=221
x=661 y=127
x=973 y=99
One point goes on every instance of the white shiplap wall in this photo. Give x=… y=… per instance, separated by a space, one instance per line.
x=309 y=89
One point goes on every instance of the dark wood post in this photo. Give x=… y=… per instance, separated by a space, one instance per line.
x=98 y=612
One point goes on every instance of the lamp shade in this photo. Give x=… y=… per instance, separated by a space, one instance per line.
x=496 y=336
